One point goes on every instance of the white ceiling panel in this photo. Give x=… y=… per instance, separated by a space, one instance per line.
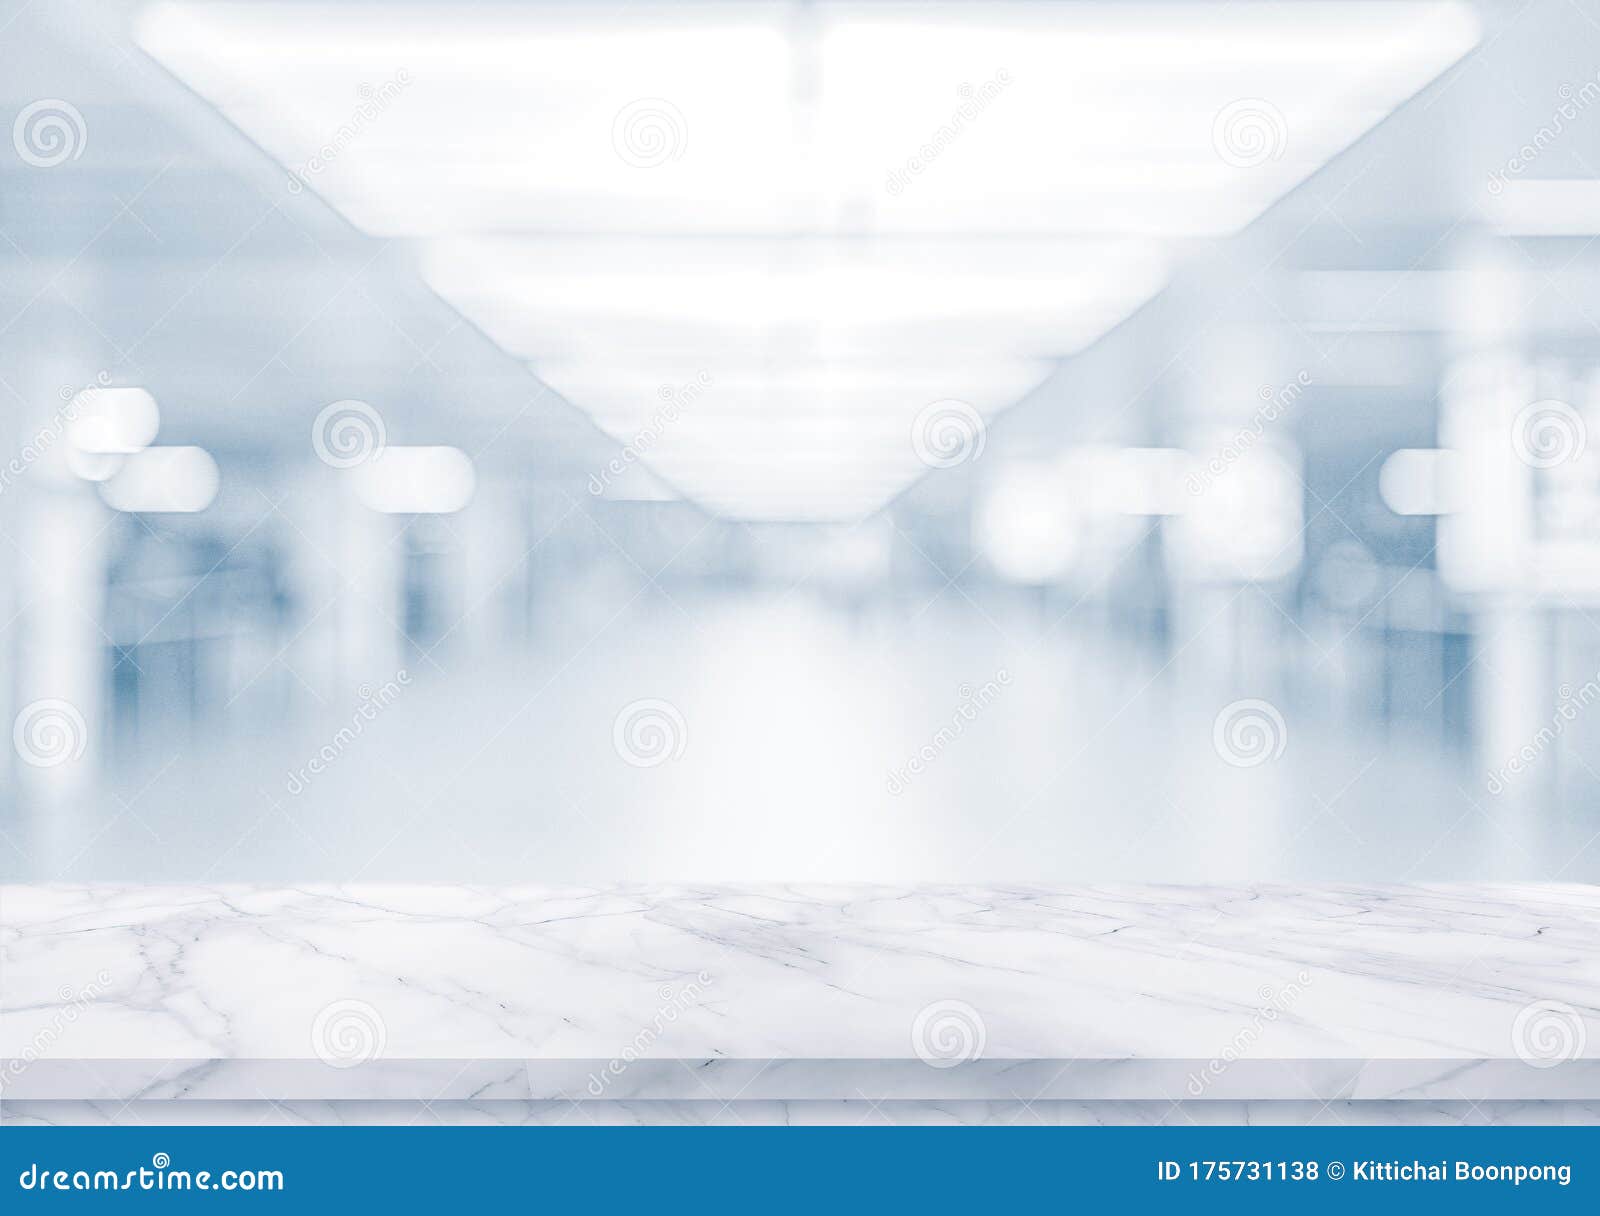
x=842 y=214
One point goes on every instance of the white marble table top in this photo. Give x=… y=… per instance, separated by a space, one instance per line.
x=1445 y=993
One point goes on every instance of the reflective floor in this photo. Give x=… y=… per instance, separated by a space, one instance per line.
x=785 y=737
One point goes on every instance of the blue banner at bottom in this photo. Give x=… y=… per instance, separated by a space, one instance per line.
x=774 y=1169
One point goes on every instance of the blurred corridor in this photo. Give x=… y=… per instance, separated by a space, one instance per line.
x=800 y=441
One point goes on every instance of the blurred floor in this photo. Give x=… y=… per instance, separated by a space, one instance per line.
x=795 y=740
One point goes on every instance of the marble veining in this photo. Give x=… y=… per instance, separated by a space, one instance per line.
x=1438 y=993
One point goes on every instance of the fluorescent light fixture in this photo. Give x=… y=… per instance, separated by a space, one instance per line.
x=1245 y=523
x=110 y=421
x=735 y=439
x=1419 y=481
x=892 y=301
x=93 y=466
x=163 y=479
x=1027 y=524
x=630 y=391
x=789 y=196
x=415 y=480
x=779 y=122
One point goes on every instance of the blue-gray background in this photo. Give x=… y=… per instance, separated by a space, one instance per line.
x=1017 y=668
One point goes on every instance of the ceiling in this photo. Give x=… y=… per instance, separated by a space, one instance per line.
x=796 y=255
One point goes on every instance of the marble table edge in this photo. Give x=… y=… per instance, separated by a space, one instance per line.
x=728 y=1079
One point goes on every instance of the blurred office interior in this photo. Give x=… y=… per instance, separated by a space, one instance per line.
x=1030 y=442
